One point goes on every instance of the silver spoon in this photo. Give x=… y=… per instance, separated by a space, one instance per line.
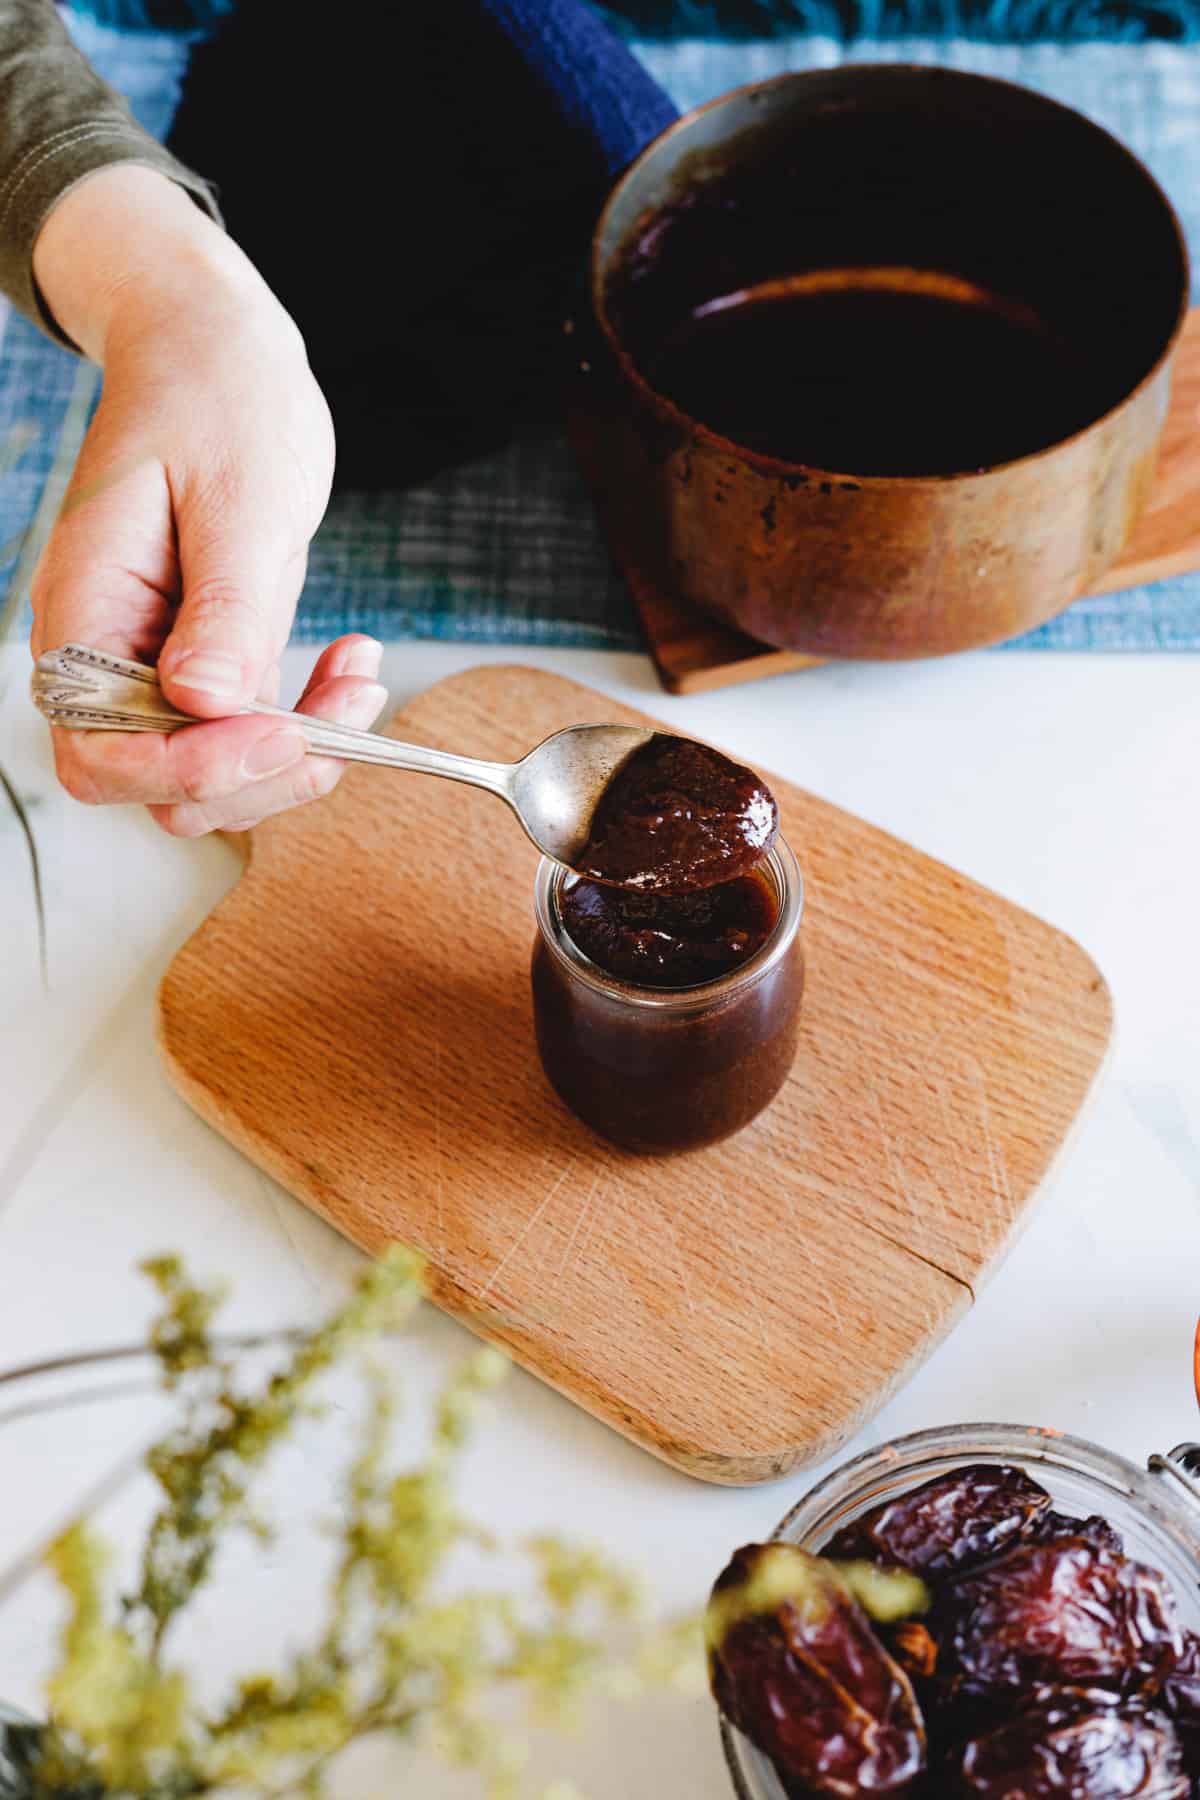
x=553 y=790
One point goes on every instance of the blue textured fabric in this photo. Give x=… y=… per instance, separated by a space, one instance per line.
x=988 y=21
x=598 y=95
x=176 y=16
x=506 y=549
x=999 y=21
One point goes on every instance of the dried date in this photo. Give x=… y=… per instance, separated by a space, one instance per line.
x=1093 y=1529
x=1064 y=1613
x=796 y=1665
x=1181 y=1699
x=1027 y=1658
x=1076 y=1744
x=952 y=1523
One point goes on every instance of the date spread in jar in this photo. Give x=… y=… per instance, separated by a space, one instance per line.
x=667 y=977
x=670 y=940
x=668 y=1022
x=678 y=816
x=963 y=1638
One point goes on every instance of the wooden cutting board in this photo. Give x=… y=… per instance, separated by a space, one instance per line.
x=355 y=1017
x=693 y=652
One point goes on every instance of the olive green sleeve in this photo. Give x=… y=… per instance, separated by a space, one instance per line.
x=58 y=123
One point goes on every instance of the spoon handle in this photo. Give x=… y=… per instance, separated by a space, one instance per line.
x=82 y=689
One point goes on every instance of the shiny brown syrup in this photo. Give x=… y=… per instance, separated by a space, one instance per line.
x=874 y=379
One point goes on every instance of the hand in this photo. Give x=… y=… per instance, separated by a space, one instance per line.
x=184 y=534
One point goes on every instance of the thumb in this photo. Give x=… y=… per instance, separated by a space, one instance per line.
x=241 y=577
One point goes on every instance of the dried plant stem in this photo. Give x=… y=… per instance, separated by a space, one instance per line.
x=35 y=870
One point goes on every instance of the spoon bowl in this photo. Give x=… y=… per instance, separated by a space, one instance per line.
x=553 y=790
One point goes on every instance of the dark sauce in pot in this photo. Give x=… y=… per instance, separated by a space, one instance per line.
x=874 y=379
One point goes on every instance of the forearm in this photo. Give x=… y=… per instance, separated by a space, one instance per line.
x=59 y=123
x=127 y=249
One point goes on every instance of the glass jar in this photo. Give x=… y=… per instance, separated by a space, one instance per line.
x=1157 y=1514
x=668 y=1069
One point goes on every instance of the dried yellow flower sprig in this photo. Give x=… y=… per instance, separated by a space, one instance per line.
x=399 y=1651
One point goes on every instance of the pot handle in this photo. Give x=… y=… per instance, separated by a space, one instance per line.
x=1181 y=1467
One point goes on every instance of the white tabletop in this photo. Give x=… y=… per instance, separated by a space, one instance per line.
x=1066 y=783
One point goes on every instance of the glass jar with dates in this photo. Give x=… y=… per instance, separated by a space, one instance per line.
x=982 y=1611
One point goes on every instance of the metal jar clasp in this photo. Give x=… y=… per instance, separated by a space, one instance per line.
x=1181 y=1466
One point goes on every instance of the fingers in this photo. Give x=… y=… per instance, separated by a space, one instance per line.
x=210 y=766
x=349 y=698
x=345 y=700
x=241 y=580
x=350 y=655
x=247 y=492
x=199 y=764
x=108 y=568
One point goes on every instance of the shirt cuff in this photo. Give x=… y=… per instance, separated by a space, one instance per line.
x=48 y=172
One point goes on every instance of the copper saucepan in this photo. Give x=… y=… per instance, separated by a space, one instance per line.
x=941 y=184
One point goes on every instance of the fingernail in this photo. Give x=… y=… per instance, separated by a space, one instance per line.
x=373 y=699
x=363 y=658
x=208 y=672
x=271 y=754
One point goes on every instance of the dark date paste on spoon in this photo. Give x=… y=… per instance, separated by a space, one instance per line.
x=677 y=817
x=672 y=893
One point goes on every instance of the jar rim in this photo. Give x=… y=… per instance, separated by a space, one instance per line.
x=955 y=1443
x=785 y=873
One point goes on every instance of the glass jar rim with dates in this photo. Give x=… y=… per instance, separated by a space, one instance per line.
x=986 y=1611
x=667 y=971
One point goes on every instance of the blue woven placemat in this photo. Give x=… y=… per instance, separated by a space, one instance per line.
x=507 y=550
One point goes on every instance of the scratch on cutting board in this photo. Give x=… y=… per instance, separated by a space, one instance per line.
x=954 y=1144
x=584 y=1210
x=526 y=1228
x=900 y=1186
x=750 y=1286
x=539 y=1258
x=823 y=1285
x=585 y=1242
x=681 y=1262
x=605 y=1227
x=1001 y=1186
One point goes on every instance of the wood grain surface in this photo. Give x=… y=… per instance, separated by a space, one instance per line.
x=355 y=1016
x=693 y=652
